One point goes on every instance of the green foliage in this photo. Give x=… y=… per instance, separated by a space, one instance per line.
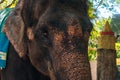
x=95 y=33
x=118 y=49
x=91 y=11
x=8 y=3
x=115 y=23
x=92 y=54
x=117 y=1
x=100 y=11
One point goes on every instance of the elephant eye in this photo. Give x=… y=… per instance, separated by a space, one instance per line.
x=44 y=32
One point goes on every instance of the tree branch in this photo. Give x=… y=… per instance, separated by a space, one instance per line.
x=99 y=4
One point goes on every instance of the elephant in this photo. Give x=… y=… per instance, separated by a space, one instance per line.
x=53 y=36
x=20 y=69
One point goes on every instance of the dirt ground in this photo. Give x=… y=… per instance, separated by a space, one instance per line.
x=93 y=69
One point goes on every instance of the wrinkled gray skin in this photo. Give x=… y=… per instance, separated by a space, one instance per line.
x=54 y=35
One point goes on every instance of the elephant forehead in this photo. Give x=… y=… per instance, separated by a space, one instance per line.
x=74 y=28
x=74 y=31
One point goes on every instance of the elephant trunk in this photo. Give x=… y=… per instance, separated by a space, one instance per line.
x=72 y=66
x=70 y=58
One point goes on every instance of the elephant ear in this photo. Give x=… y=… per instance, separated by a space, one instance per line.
x=14 y=29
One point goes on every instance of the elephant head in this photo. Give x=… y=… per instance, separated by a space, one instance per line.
x=54 y=35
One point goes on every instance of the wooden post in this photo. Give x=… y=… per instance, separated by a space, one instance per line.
x=106 y=55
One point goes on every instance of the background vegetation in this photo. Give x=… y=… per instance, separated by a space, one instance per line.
x=7 y=3
x=101 y=11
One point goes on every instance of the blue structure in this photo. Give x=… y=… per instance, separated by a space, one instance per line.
x=4 y=42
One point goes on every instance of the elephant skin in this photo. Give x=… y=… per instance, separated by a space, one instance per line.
x=54 y=35
x=20 y=69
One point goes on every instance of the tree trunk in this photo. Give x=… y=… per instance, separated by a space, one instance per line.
x=106 y=64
